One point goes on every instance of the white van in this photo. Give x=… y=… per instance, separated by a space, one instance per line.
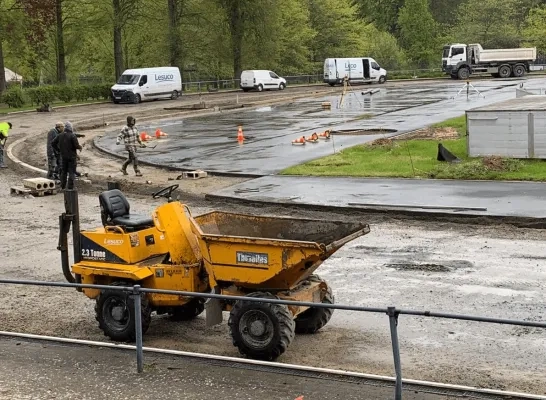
x=136 y=85
x=364 y=69
x=261 y=79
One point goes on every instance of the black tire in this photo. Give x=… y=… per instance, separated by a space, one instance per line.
x=313 y=319
x=518 y=71
x=282 y=86
x=260 y=88
x=174 y=95
x=121 y=328
x=332 y=84
x=382 y=79
x=463 y=73
x=271 y=338
x=137 y=99
x=188 y=311
x=505 y=71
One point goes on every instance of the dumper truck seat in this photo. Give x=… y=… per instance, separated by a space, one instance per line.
x=115 y=210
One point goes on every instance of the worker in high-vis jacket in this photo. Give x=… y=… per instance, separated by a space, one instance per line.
x=4 y=133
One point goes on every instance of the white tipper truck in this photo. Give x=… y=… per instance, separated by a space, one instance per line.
x=462 y=60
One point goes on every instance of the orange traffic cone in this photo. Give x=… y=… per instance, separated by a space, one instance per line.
x=159 y=133
x=240 y=136
x=313 y=138
x=299 y=398
x=144 y=136
x=300 y=140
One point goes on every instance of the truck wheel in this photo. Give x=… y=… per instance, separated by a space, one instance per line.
x=188 y=311
x=313 y=319
x=463 y=73
x=260 y=88
x=115 y=312
x=505 y=71
x=261 y=331
x=518 y=71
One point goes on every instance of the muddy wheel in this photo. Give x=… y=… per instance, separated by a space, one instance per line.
x=261 y=331
x=188 y=311
x=174 y=95
x=518 y=71
x=313 y=319
x=463 y=73
x=115 y=312
x=505 y=71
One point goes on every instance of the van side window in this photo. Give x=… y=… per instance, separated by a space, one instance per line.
x=273 y=75
x=375 y=66
x=143 y=80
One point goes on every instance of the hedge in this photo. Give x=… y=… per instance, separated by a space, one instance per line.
x=17 y=97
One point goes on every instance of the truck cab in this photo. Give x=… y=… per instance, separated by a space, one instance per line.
x=453 y=55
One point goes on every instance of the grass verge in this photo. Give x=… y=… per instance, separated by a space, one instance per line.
x=417 y=158
x=4 y=109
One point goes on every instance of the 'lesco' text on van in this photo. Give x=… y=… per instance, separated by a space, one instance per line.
x=136 y=85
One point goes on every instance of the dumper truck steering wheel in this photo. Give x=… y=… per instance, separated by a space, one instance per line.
x=166 y=192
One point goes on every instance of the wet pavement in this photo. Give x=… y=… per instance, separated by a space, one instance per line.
x=475 y=198
x=210 y=143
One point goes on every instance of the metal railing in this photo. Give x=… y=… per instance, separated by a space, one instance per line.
x=392 y=312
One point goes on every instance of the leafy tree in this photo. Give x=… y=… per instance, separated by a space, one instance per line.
x=382 y=13
x=418 y=32
x=383 y=47
x=535 y=28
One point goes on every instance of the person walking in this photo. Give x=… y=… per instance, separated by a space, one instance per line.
x=53 y=156
x=66 y=143
x=4 y=133
x=130 y=137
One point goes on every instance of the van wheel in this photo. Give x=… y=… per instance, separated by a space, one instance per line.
x=137 y=99
x=260 y=88
x=282 y=86
x=174 y=95
x=382 y=79
x=332 y=84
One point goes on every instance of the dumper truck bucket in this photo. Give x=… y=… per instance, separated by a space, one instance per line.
x=268 y=252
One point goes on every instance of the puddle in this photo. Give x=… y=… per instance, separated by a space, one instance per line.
x=427 y=267
x=371 y=131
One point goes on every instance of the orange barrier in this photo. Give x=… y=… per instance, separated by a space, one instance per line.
x=324 y=135
x=313 y=138
x=300 y=140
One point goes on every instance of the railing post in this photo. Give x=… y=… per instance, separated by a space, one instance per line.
x=138 y=328
x=393 y=319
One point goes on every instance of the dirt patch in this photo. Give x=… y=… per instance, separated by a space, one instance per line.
x=428 y=267
x=383 y=142
x=431 y=133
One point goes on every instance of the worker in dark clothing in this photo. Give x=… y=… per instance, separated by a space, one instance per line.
x=53 y=157
x=4 y=133
x=130 y=137
x=66 y=143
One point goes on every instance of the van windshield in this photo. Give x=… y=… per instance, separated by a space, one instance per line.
x=128 y=79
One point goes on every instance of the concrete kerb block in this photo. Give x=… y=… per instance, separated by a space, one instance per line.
x=39 y=184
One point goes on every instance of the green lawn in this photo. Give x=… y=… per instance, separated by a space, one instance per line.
x=417 y=159
x=4 y=109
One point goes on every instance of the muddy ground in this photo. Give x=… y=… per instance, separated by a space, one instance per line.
x=496 y=271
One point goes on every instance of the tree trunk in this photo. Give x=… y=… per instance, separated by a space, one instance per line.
x=175 y=43
x=118 y=46
x=237 y=32
x=61 y=59
x=2 y=71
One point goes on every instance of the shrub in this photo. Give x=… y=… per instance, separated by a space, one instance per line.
x=42 y=94
x=82 y=93
x=14 y=97
x=65 y=93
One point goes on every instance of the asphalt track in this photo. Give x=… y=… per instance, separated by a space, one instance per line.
x=209 y=143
